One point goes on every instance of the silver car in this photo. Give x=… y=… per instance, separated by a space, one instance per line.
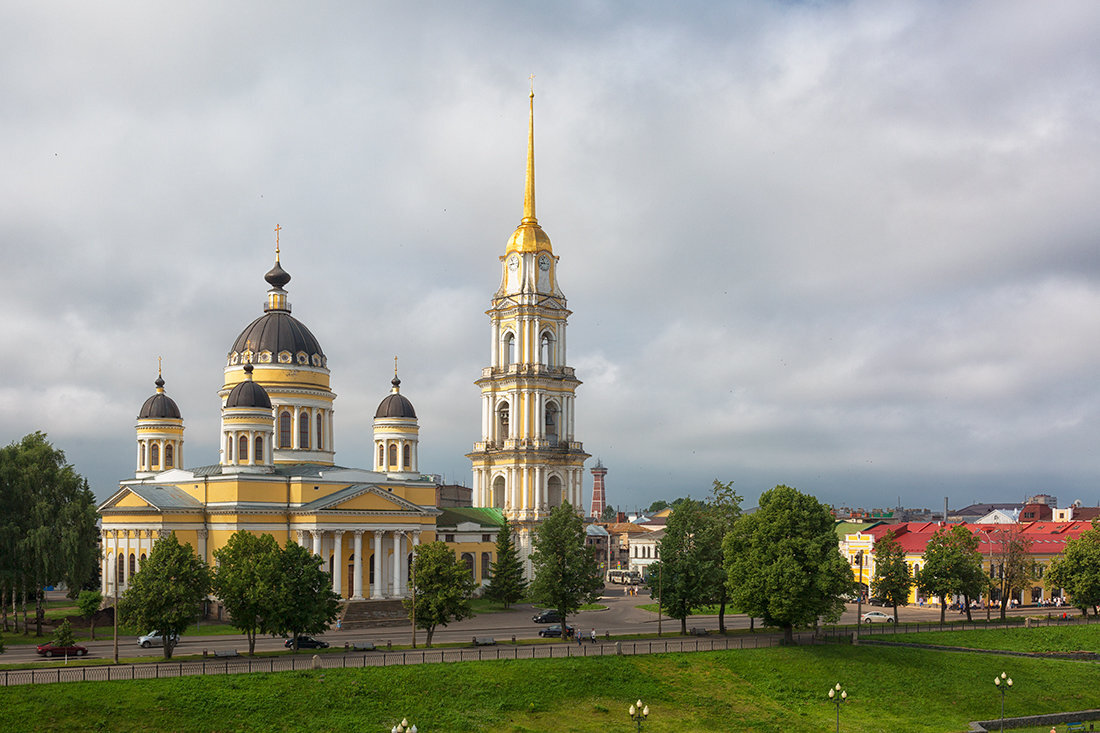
x=155 y=638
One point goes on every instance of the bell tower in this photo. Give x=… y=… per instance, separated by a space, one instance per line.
x=528 y=459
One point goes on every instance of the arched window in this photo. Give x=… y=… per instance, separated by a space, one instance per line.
x=552 y=423
x=303 y=431
x=154 y=456
x=546 y=349
x=469 y=560
x=509 y=349
x=381 y=456
x=229 y=449
x=393 y=455
x=407 y=459
x=502 y=422
x=553 y=491
x=370 y=564
x=486 y=563
x=169 y=456
x=144 y=450
x=120 y=573
x=133 y=566
x=242 y=449
x=284 y=429
x=320 y=433
x=498 y=492
x=258 y=453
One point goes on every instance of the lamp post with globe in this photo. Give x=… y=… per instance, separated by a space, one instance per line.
x=638 y=713
x=838 y=695
x=403 y=727
x=1003 y=683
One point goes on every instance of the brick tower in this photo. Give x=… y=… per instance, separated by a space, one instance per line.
x=599 y=498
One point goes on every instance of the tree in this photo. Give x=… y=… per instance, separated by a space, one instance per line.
x=246 y=580
x=48 y=533
x=1014 y=566
x=608 y=514
x=1077 y=569
x=892 y=580
x=443 y=587
x=566 y=572
x=783 y=564
x=657 y=506
x=88 y=603
x=507 y=584
x=681 y=575
x=952 y=566
x=63 y=634
x=303 y=601
x=164 y=595
x=721 y=513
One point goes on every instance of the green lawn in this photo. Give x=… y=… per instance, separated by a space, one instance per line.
x=1042 y=639
x=777 y=689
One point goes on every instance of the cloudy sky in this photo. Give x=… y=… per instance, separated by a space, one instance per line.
x=847 y=246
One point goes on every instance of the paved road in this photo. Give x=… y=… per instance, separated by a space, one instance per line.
x=620 y=618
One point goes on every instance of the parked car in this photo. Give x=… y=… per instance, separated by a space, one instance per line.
x=49 y=649
x=873 y=616
x=877 y=602
x=549 y=616
x=307 y=642
x=155 y=638
x=555 y=630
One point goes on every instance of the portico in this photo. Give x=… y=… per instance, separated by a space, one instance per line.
x=384 y=575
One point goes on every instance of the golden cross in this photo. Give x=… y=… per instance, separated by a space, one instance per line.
x=395 y=366
x=159 y=372
x=532 y=78
x=277 y=230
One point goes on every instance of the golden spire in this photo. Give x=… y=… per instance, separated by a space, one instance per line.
x=529 y=190
x=160 y=370
x=277 y=230
x=396 y=382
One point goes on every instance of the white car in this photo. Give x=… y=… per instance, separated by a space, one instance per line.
x=155 y=638
x=873 y=616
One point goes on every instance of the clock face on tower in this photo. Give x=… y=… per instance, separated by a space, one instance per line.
x=544 y=263
x=513 y=263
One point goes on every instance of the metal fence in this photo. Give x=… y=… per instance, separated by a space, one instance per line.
x=289 y=663
x=978 y=624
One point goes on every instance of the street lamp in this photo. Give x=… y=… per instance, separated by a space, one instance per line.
x=838 y=695
x=403 y=727
x=1003 y=683
x=638 y=713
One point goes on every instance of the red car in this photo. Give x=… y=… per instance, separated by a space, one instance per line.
x=50 y=649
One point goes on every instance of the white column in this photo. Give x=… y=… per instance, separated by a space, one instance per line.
x=494 y=348
x=376 y=586
x=114 y=561
x=126 y=560
x=397 y=563
x=337 y=565
x=294 y=428
x=357 y=590
x=203 y=534
x=318 y=536
x=104 y=564
x=526 y=489
x=300 y=537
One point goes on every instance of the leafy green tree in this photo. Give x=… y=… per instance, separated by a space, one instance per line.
x=443 y=587
x=783 y=564
x=952 y=566
x=246 y=580
x=507 y=585
x=721 y=513
x=48 y=533
x=63 y=634
x=609 y=514
x=1015 y=568
x=681 y=578
x=165 y=594
x=657 y=506
x=88 y=603
x=567 y=574
x=303 y=601
x=892 y=580
x=1077 y=569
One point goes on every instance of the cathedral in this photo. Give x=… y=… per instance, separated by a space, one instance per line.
x=277 y=471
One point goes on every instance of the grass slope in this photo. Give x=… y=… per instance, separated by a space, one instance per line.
x=1042 y=639
x=778 y=689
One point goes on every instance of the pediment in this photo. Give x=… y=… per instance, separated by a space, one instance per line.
x=364 y=498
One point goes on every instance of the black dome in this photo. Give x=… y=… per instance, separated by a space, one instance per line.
x=159 y=405
x=395 y=405
x=277 y=331
x=248 y=393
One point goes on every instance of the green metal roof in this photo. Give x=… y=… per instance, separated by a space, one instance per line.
x=452 y=516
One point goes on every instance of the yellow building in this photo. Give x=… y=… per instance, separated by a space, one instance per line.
x=277 y=472
x=528 y=460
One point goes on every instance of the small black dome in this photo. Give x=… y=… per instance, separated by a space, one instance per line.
x=277 y=331
x=248 y=393
x=159 y=405
x=395 y=404
x=277 y=276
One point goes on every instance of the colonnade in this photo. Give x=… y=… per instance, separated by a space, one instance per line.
x=389 y=548
x=133 y=545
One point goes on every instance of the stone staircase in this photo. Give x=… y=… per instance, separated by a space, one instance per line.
x=372 y=614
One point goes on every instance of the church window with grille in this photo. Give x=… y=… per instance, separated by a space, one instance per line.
x=284 y=429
